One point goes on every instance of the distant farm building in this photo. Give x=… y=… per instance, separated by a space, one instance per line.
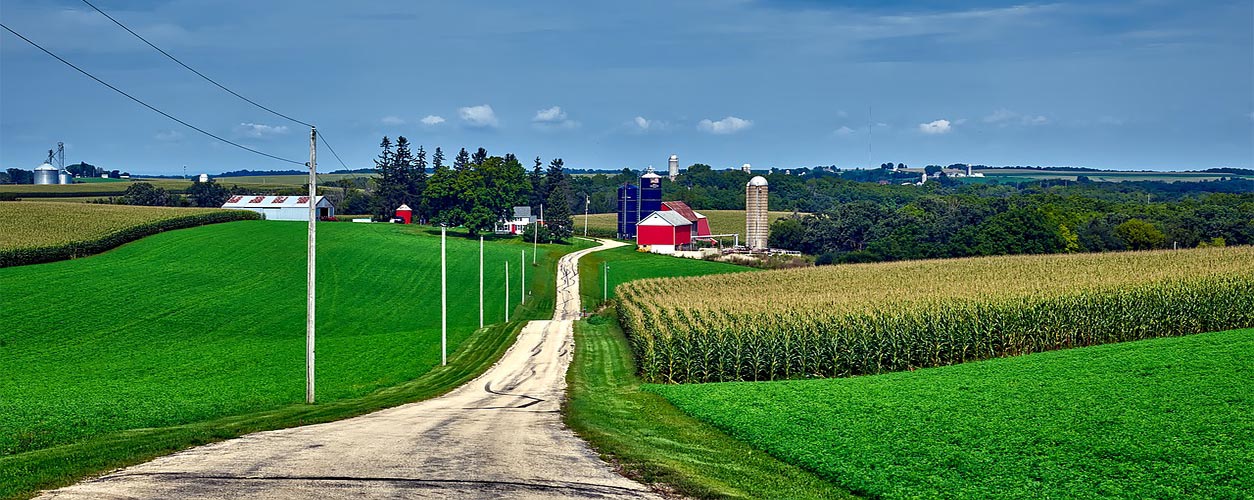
x=757 y=229
x=637 y=202
x=203 y=178
x=405 y=214
x=281 y=207
x=516 y=224
x=700 y=225
x=664 y=231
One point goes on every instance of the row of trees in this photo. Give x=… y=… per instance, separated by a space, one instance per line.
x=963 y=225
x=476 y=192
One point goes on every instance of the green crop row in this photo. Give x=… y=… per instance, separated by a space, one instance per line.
x=75 y=249
x=708 y=341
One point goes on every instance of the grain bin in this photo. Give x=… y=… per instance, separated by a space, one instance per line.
x=46 y=174
x=757 y=229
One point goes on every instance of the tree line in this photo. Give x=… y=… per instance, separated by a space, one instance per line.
x=476 y=192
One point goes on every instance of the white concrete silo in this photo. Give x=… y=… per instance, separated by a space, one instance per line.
x=757 y=229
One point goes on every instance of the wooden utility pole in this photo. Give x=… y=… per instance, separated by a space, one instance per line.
x=443 y=301
x=586 y=202
x=309 y=284
x=536 y=244
x=522 y=280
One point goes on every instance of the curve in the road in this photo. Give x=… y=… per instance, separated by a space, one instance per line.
x=499 y=436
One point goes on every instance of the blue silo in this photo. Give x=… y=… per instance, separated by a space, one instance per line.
x=628 y=210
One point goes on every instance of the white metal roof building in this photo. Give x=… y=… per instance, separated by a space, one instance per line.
x=280 y=207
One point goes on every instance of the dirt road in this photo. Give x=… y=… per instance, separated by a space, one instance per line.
x=499 y=436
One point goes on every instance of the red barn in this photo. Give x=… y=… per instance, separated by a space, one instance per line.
x=664 y=231
x=700 y=226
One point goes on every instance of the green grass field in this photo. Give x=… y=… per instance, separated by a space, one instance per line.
x=197 y=324
x=721 y=221
x=1160 y=418
x=626 y=264
x=654 y=442
x=41 y=223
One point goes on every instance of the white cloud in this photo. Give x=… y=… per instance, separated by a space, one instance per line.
x=1005 y=117
x=392 y=120
x=480 y=116
x=552 y=118
x=432 y=120
x=1000 y=115
x=843 y=131
x=259 y=130
x=935 y=127
x=551 y=115
x=643 y=123
x=169 y=136
x=729 y=125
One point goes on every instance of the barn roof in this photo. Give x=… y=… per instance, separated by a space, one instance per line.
x=664 y=218
x=683 y=209
x=257 y=201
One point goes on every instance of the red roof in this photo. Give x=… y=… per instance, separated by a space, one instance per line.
x=682 y=208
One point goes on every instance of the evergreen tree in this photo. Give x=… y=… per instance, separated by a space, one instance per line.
x=441 y=197
x=557 y=208
x=553 y=176
x=437 y=159
x=537 y=185
x=462 y=161
x=383 y=172
x=420 y=180
x=479 y=157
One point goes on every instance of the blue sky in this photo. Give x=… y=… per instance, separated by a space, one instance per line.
x=1147 y=84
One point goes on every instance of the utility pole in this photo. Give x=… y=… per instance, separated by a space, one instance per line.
x=522 y=281
x=605 y=281
x=481 y=282
x=443 y=300
x=309 y=266
x=507 y=291
x=586 y=202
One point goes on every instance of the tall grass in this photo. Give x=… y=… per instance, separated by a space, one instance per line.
x=877 y=318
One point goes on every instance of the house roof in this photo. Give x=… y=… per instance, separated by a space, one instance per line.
x=522 y=212
x=683 y=209
x=252 y=201
x=664 y=218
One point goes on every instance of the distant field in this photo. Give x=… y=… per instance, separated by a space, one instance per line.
x=284 y=180
x=1030 y=174
x=859 y=319
x=626 y=264
x=1161 y=418
x=96 y=180
x=99 y=188
x=200 y=323
x=721 y=221
x=36 y=224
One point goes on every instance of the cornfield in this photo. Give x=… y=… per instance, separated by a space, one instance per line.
x=866 y=319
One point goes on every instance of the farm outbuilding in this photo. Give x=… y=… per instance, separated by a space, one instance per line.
x=281 y=207
x=700 y=225
x=664 y=231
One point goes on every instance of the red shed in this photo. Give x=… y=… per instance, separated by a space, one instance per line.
x=700 y=226
x=405 y=213
x=664 y=231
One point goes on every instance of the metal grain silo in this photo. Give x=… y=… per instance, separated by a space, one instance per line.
x=628 y=210
x=46 y=174
x=650 y=194
x=65 y=177
x=757 y=228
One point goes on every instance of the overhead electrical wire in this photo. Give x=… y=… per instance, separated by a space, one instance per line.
x=189 y=68
x=215 y=83
x=146 y=105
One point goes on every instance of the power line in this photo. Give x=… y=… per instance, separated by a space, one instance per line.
x=146 y=105
x=189 y=68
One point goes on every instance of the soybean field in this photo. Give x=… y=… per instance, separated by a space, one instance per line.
x=1158 y=418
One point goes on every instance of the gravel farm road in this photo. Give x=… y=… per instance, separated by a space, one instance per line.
x=499 y=436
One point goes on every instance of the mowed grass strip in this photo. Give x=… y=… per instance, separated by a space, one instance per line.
x=627 y=264
x=28 y=224
x=652 y=441
x=201 y=323
x=1160 y=418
